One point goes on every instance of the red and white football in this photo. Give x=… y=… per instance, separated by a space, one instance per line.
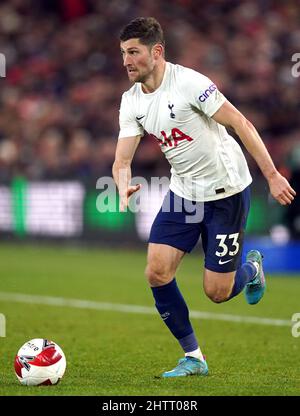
x=40 y=362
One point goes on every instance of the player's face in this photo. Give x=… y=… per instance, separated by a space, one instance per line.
x=138 y=59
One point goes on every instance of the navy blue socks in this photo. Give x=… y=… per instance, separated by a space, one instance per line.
x=243 y=276
x=174 y=312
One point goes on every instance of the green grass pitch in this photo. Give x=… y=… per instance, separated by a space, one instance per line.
x=114 y=353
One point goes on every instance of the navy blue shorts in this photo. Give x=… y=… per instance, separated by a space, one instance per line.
x=221 y=225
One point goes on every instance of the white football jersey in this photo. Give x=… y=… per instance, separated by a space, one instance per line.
x=207 y=163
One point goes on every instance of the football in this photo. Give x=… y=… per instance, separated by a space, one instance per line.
x=40 y=362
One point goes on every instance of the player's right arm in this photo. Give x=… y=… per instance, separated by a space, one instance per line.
x=121 y=170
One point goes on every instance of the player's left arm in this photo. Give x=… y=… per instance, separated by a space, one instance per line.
x=229 y=116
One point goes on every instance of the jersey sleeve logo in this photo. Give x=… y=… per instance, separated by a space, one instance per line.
x=207 y=93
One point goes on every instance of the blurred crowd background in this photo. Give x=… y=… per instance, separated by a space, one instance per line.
x=64 y=79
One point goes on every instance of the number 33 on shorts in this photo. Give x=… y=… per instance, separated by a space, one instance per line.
x=228 y=245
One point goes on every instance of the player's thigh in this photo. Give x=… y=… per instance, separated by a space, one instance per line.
x=177 y=224
x=162 y=263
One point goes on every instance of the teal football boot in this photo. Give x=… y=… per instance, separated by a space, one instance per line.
x=188 y=366
x=255 y=289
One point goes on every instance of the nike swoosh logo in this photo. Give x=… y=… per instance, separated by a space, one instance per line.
x=226 y=261
x=139 y=118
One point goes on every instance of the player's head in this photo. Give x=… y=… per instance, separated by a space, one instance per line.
x=142 y=46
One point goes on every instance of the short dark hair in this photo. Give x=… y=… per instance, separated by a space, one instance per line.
x=146 y=29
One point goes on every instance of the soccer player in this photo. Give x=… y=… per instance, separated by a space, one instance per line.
x=188 y=116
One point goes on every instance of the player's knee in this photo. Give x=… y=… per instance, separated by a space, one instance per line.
x=157 y=276
x=217 y=295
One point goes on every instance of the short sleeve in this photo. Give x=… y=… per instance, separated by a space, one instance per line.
x=202 y=93
x=129 y=126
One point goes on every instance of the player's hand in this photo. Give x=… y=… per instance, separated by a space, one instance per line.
x=124 y=198
x=281 y=190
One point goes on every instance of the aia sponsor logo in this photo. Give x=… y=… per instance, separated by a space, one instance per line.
x=177 y=136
